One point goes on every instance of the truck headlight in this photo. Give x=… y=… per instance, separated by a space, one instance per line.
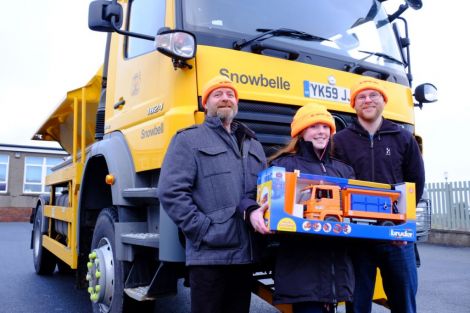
x=176 y=44
x=423 y=219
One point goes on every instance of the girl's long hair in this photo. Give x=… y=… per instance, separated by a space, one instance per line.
x=293 y=146
x=290 y=148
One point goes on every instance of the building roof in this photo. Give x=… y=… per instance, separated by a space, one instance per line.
x=32 y=149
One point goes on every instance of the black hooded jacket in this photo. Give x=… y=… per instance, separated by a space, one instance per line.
x=313 y=268
x=391 y=156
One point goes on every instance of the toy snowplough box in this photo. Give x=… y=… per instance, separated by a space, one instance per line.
x=332 y=206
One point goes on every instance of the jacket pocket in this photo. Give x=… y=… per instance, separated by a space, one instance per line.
x=217 y=181
x=223 y=231
x=257 y=155
x=213 y=160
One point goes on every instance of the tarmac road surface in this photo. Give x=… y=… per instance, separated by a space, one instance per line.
x=444 y=282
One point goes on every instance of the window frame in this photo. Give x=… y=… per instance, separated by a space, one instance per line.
x=128 y=39
x=7 y=170
x=44 y=167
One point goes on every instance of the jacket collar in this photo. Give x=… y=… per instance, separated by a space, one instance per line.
x=306 y=150
x=213 y=122
x=238 y=128
x=386 y=127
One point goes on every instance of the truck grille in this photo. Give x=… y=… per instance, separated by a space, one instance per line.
x=270 y=122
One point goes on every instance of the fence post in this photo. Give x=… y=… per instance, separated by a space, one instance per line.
x=450 y=209
x=466 y=187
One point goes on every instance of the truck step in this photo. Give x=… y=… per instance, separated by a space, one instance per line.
x=139 y=293
x=142 y=239
x=264 y=279
x=140 y=193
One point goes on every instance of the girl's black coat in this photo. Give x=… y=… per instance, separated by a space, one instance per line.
x=310 y=267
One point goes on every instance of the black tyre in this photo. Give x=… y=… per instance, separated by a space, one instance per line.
x=110 y=297
x=387 y=223
x=331 y=219
x=44 y=260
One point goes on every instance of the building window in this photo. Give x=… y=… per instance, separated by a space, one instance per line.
x=35 y=171
x=4 y=160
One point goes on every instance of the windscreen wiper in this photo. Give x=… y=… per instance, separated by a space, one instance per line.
x=380 y=54
x=268 y=33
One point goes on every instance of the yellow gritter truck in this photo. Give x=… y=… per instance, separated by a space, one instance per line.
x=102 y=217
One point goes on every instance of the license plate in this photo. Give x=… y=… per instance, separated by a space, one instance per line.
x=325 y=92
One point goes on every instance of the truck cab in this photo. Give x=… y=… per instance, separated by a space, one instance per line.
x=321 y=202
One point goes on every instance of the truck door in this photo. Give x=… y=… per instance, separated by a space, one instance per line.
x=324 y=196
x=326 y=201
x=137 y=83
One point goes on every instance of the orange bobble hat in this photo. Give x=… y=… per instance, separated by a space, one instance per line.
x=367 y=83
x=311 y=114
x=217 y=82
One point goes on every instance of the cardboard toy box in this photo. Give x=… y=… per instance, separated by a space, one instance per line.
x=332 y=206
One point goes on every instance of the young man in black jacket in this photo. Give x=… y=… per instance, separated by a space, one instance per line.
x=381 y=151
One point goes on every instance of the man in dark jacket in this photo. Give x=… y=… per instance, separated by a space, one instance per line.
x=381 y=151
x=207 y=182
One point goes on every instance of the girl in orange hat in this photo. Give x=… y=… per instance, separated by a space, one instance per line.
x=313 y=273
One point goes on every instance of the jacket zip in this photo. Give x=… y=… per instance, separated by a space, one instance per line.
x=244 y=160
x=333 y=274
x=242 y=153
x=372 y=163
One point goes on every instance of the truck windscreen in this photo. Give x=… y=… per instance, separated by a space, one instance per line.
x=354 y=29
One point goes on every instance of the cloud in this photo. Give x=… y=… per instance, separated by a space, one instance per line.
x=47 y=52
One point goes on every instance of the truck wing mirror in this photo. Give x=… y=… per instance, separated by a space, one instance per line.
x=425 y=93
x=178 y=45
x=415 y=4
x=104 y=16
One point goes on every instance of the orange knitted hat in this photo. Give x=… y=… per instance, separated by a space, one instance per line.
x=311 y=114
x=217 y=82
x=367 y=83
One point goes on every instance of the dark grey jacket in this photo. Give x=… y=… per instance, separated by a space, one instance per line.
x=208 y=179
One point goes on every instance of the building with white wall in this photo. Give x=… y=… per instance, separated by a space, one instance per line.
x=22 y=178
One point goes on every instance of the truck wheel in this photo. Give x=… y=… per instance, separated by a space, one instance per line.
x=105 y=274
x=387 y=223
x=331 y=219
x=44 y=260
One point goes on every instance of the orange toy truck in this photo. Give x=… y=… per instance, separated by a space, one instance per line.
x=351 y=204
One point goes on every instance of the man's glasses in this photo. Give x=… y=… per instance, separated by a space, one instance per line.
x=373 y=96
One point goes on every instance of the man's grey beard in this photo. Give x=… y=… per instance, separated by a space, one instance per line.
x=226 y=118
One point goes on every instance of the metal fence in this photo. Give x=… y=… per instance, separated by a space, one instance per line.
x=450 y=205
